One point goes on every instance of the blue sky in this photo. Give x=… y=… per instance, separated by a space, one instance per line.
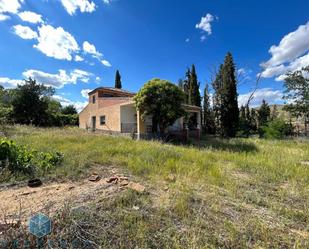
x=77 y=45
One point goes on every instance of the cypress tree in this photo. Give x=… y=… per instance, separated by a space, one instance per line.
x=263 y=114
x=208 y=118
x=217 y=101
x=186 y=86
x=194 y=89
x=229 y=110
x=118 y=80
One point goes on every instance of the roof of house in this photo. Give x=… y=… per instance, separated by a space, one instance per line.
x=112 y=90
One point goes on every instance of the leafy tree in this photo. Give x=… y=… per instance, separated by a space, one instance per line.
x=229 y=104
x=208 y=117
x=118 y=80
x=161 y=99
x=69 y=110
x=277 y=129
x=30 y=103
x=297 y=92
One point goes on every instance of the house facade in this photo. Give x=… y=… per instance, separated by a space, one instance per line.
x=112 y=111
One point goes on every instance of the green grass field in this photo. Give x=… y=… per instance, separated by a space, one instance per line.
x=239 y=193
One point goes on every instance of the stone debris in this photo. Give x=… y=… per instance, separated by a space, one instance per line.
x=94 y=177
x=33 y=183
x=113 y=179
x=124 y=183
x=123 y=180
x=305 y=163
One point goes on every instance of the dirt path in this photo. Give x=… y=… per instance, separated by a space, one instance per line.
x=21 y=202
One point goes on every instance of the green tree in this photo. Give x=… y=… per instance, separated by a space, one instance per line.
x=186 y=86
x=118 y=80
x=263 y=117
x=263 y=114
x=297 y=92
x=69 y=110
x=244 y=123
x=208 y=117
x=217 y=100
x=253 y=120
x=194 y=89
x=161 y=99
x=229 y=104
x=30 y=103
x=277 y=129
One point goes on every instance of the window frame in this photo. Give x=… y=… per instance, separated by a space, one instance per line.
x=103 y=123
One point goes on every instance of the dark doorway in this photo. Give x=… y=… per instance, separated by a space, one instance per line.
x=93 y=121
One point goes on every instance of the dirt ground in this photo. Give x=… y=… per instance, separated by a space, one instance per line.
x=20 y=202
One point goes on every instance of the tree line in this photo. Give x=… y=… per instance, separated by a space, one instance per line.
x=221 y=114
x=33 y=104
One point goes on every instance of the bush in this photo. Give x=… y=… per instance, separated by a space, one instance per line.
x=60 y=119
x=276 y=129
x=5 y=114
x=18 y=159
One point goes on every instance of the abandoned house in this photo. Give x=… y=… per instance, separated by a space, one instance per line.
x=112 y=111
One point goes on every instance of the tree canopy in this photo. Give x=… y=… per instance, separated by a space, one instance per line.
x=297 y=93
x=31 y=102
x=162 y=100
x=225 y=99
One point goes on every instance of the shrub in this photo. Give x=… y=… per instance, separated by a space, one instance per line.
x=18 y=159
x=276 y=129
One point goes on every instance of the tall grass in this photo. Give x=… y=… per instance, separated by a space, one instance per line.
x=236 y=193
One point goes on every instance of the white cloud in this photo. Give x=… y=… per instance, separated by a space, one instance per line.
x=56 y=43
x=25 y=32
x=60 y=79
x=106 y=63
x=205 y=23
x=290 y=47
x=107 y=1
x=10 y=6
x=85 y=92
x=10 y=83
x=83 y=5
x=4 y=17
x=187 y=40
x=291 y=54
x=78 y=58
x=29 y=16
x=91 y=49
x=65 y=102
x=269 y=95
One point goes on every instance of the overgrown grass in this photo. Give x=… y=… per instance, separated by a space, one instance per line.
x=241 y=193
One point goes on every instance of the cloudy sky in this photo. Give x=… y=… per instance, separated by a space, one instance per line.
x=77 y=45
